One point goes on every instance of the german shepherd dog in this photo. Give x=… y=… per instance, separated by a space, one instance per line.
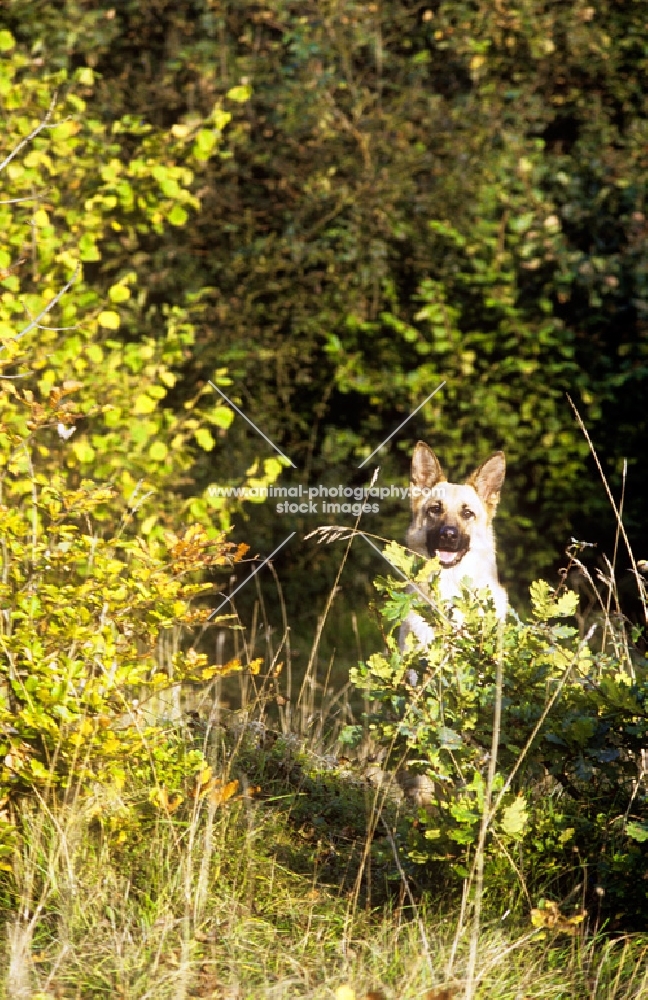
x=454 y=523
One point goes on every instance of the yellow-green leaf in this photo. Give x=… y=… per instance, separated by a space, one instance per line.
x=204 y=438
x=567 y=603
x=158 y=451
x=272 y=468
x=144 y=404
x=638 y=831
x=85 y=76
x=223 y=417
x=109 y=319
x=205 y=142
x=6 y=41
x=83 y=451
x=40 y=218
x=95 y=353
x=240 y=94
x=515 y=818
x=220 y=118
x=119 y=293
x=177 y=216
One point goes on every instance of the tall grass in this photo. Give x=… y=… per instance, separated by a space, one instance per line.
x=205 y=908
x=256 y=889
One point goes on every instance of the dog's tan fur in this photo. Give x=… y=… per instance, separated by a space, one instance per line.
x=455 y=523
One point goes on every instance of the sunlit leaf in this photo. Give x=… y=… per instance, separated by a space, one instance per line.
x=240 y=94
x=109 y=319
x=515 y=818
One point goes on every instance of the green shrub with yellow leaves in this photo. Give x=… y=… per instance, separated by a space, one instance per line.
x=85 y=611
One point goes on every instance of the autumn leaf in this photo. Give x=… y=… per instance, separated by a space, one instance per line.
x=160 y=798
x=215 y=790
x=549 y=918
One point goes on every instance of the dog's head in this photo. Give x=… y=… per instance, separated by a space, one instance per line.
x=448 y=516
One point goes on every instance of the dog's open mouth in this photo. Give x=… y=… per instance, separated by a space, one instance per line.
x=449 y=559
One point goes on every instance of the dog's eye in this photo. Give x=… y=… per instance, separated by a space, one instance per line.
x=435 y=509
x=467 y=513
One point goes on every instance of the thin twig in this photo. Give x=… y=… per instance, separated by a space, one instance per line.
x=614 y=555
x=50 y=305
x=610 y=498
x=18 y=201
x=32 y=135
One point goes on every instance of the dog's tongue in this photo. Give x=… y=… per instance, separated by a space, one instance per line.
x=446 y=557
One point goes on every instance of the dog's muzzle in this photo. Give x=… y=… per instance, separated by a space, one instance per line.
x=445 y=542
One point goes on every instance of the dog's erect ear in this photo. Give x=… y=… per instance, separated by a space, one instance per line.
x=487 y=480
x=426 y=468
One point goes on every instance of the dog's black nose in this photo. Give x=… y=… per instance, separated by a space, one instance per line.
x=449 y=534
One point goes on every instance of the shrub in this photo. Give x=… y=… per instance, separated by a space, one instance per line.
x=567 y=798
x=85 y=610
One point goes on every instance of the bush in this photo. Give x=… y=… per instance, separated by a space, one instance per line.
x=567 y=799
x=85 y=613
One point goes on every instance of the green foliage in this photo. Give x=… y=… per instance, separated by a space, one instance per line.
x=574 y=722
x=327 y=216
x=86 y=600
x=85 y=203
x=84 y=614
x=405 y=195
x=82 y=665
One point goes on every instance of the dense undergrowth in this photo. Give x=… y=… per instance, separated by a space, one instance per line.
x=208 y=854
x=527 y=721
x=486 y=837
